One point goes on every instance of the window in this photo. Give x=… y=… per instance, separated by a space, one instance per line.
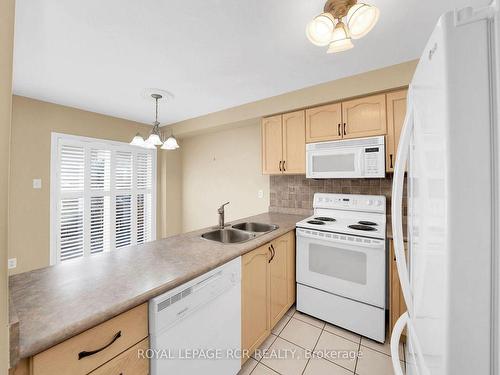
x=103 y=196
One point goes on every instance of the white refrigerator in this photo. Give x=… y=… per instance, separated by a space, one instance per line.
x=450 y=145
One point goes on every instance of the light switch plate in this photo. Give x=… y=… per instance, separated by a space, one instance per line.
x=37 y=183
x=12 y=263
x=260 y=193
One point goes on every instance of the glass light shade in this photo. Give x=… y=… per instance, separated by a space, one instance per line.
x=341 y=40
x=138 y=141
x=361 y=18
x=154 y=139
x=170 y=144
x=149 y=145
x=319 y=31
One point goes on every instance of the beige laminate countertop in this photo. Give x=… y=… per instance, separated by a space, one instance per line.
x=55 y=303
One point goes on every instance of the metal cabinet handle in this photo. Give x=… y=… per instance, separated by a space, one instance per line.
x=390 y=158
x=274 y=252
x=338 y=130
x=271 y=257
x=284 y=169
x=280 y=166
x=92 y=352
x=345 y=126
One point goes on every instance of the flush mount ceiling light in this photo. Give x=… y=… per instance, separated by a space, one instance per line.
x=155 y=137
x=342 y=21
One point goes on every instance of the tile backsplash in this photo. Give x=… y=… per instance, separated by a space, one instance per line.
x=294 y=193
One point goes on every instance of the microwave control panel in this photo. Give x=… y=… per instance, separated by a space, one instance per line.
x=374 y=160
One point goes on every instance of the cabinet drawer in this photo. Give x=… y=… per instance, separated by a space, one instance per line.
x=126 y=330
x=127 y=363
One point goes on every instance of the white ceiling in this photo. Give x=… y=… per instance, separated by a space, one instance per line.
x=211 y=54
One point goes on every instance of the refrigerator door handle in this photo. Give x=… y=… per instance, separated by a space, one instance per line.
x=397 y=202
x=397 y=330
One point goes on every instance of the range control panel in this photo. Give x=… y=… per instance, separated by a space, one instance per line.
x=351 y=202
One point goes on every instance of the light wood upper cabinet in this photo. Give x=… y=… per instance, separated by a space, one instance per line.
x=396 y=111
x=364 y=117
x=268 y=289
x=283 y=144
x=255 y=298
x=272 y=145
x=294 y=143
x=324 y=123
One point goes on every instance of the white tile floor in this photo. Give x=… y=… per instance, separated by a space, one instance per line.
x=298 y=333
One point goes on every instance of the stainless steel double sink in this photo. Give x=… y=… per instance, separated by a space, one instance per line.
x=240 y=232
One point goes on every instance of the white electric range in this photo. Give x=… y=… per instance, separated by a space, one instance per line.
x=341 y=262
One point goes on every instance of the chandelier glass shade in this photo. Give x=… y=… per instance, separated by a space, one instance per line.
x=342 y=21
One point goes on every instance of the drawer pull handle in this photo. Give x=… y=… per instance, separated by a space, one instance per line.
x=92 y=352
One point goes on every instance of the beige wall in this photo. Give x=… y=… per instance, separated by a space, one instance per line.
x=169 y=213
x=32 y=124
x=221 y=152
x=376 y=80
x=219 y=167
x=6 y=47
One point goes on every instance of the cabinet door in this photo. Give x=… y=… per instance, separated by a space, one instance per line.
x=364 y=117
x=324 y=123
x=291 y=268
x=272 y=145
x=294 y=143
x=255 y=298
x=397 y=304
x=278 y=270
x=129 y=362
x=396 y=111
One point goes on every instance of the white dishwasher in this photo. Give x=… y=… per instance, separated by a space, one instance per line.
x=196 y=327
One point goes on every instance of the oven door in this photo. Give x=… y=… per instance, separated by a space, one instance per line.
x=348 y=266
x=335 y=163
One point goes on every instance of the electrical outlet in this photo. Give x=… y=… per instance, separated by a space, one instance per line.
x=260 y=193
x=12 y=263
x=37 y=183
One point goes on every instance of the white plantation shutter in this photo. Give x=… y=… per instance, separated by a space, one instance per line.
x=71 y=223
x=144 y=185
x=71 y=232
x=102 y=196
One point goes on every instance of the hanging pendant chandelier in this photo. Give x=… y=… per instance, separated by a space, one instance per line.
x=155 y=137
x=329 y=28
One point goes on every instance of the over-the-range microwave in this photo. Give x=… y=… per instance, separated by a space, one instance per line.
x=350 y=158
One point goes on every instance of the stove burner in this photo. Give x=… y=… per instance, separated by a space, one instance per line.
x=361 y=227
x=363 y=222
x=323 y=218
x=317 y=222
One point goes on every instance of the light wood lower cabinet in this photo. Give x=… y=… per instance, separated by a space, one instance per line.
x=127 y=363
x=397 y=304
x=109 y=348
x=255 y=298
x=268 y=289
